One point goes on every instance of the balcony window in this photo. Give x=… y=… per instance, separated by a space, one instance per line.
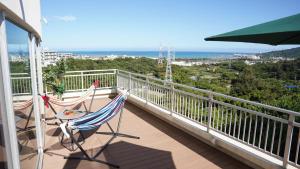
x=19 y=62
x=2 y=145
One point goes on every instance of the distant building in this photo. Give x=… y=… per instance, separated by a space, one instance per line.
x=65 y=55
x=17 y=58
x=51 y=57
x=247 y=62
x=247 y=56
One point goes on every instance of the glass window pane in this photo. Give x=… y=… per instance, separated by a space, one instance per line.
x=18 y=52
x=2 y=146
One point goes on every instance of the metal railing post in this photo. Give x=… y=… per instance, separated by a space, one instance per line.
x=288 y=140
x=129 y=83
x=147 y=89
x=117 y=78
x=210 y=107
x=46 y=89
x=82 y=88
x=172 y=98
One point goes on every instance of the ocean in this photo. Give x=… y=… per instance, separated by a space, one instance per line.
x=154 y=54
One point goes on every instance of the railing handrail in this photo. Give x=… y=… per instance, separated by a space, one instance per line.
x=79 y=75
x=84 y=71
x=19 y=74
x=221 y=95
x=15 y=78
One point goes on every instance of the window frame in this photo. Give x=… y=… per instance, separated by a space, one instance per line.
x=6 y=104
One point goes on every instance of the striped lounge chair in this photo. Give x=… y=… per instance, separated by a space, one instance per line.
x=93 y=121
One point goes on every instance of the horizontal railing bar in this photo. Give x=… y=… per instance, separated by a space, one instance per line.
x=79 y=90
x=151 y=83
x=14 y=94
x=84 y=71
x=145 y=76
x=17 y=78
x=251 y=111
x=296 y=124
x=191 y=94
x=19 y=73
x=99 y=74
x=79 y=75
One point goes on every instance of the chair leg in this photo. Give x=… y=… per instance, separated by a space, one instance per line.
x=55 y=113
x=87 y=157
x=52 y=124
x=117 y=133
x=104 y=146
x=127 y=135
x=63 y=143
x=85 y=107
x=28 y=118
x=53 y=118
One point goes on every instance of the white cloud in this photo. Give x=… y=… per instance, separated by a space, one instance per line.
x=67 y=18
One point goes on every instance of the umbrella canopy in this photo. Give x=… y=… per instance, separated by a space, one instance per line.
x=281 y=31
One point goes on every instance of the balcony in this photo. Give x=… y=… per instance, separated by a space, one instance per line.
x=180 y=127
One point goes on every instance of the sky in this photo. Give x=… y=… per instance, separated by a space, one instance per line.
x=146 y=24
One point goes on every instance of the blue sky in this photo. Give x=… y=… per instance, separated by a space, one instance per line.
x=145 y=24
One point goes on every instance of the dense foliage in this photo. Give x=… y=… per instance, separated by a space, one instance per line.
x=270 y=83
x=53 y=77
x=141 y=65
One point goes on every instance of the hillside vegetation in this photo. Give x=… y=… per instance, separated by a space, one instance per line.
x=270 y=83
x=288 y=53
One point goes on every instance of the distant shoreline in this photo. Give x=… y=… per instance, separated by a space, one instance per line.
x=154 y=54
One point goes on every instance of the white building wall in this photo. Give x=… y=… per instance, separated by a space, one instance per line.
x=27 y=13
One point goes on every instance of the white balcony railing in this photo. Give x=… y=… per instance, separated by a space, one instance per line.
x=270 y=130
x=21 y=83
x=82 y=80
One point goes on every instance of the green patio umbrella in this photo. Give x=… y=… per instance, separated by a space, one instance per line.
x=281 y=31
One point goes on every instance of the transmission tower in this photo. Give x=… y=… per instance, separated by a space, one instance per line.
x=160 y=56
x=170 y=57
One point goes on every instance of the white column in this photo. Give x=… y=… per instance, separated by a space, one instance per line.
x=36 y=105
x=6 y=103
x=41 y=102
x=39 y=75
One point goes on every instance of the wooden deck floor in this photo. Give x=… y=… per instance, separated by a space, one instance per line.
x=160 y=146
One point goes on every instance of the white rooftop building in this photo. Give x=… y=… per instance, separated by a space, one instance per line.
x=51 y=57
